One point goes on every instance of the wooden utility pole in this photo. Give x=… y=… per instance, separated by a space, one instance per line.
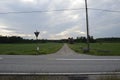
x=87 y=26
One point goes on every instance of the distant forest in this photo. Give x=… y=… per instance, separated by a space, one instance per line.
x=17 y=39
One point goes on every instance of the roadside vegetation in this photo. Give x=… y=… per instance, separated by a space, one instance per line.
x=102 y=49
x=33 y=77
x=29 y=48
x=15 y=45
x=109 y=77
x=60 y=77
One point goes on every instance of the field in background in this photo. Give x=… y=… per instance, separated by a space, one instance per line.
x=29 y=49
x=103 y=49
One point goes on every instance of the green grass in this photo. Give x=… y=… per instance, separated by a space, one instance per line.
x=109 y=77
x=104 y=49
x=29 y=49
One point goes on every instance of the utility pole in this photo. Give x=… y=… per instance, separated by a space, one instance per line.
x=87 y=26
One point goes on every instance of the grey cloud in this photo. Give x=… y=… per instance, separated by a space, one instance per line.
x=56 y=22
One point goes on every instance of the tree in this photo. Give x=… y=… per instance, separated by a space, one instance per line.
x=71 y=40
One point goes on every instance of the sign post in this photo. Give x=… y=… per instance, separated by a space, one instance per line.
x=36 y=35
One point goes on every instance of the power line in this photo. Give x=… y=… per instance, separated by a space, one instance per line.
x=40 y=11
x=105 y=10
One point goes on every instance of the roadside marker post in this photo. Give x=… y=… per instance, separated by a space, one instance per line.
x=37 y=34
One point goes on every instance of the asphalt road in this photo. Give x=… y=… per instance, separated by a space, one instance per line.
x=64 y=61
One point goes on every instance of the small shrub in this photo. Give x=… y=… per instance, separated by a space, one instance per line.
x=11 y=53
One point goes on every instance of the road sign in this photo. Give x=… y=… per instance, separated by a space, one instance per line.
x=36 y=33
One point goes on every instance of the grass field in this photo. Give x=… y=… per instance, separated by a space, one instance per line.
x=29 y=49
x=103 y=49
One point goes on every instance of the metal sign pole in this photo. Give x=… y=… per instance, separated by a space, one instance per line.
x=36 y=34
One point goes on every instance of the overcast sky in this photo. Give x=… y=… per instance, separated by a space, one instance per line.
x=59 y=24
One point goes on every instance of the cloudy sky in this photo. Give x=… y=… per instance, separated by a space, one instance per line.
x=59 y=24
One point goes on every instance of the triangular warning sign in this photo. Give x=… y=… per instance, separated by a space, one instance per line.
x=36 y=33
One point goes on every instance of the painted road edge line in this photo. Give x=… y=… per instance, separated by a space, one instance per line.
x=63 y=59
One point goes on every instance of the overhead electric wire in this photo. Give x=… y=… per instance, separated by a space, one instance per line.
x=44 y=11
x=40 y=11
x=104 y=10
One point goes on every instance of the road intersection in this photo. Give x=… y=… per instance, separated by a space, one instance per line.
x=65 y=61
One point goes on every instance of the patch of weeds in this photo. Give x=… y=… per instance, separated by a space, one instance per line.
x=100 y=52
x=93 y=52
x=77 y=50
x=40 y=52
x=109 y=77
x=12 y=53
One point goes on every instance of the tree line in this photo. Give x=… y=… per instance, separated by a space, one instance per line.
x=82 y=39
x=111 y=39
x=18 y=39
